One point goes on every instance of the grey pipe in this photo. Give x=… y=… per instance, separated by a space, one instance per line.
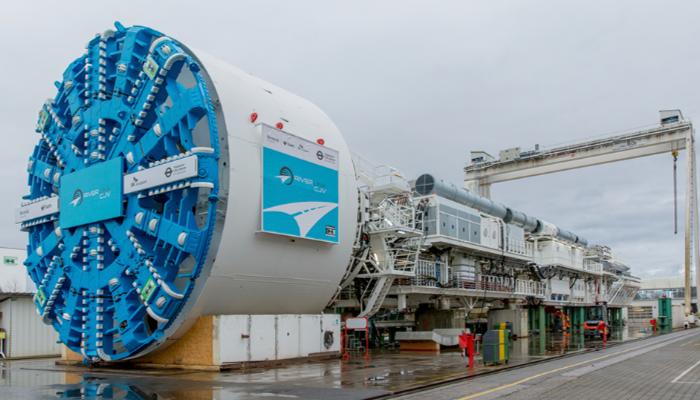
x=521 y=220
x=566 y=236
x=427 y=184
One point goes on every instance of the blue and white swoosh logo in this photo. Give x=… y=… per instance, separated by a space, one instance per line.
x=77 y=198
x=286 y=175
x=306 y=214
x=284 y=178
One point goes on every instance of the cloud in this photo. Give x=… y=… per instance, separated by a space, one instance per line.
x=419 y=85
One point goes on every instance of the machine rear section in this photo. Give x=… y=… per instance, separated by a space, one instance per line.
x=146 y=183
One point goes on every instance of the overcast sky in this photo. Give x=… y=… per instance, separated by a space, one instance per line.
x=418 y=85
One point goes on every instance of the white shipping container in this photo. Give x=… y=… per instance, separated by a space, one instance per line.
x=250 y=338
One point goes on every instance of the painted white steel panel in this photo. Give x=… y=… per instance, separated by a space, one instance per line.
x=233 y=347
x=560 y=286
x=262 y=338
x=310 y=337
x=287 y=336
x=162 y=174
x=36 y=210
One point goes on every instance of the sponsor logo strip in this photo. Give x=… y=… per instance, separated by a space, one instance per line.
x=37 y=210
x=297 y=147
x=160 y=175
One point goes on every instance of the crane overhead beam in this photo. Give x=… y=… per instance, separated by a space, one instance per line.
x=666 y=138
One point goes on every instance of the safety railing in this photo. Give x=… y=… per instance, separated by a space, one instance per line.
x=395 y=259
x=530 y=288
x=395 y=213
x=592 y=266
x=518 y=246
x=429 y=274
x=623 y=293
x=432 y=274
x=378 y=175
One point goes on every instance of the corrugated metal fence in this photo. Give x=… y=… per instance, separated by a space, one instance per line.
x=27 y=336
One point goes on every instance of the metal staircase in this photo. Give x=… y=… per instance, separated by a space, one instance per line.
x=395 y=244
x=380 y=288
x=615 y=291
x=620 y=291
x=392 y=224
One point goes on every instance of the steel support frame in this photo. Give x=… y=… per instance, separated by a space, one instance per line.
x=691 y=221
x=604 y=154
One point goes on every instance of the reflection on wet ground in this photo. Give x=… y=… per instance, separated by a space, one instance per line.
x=387 y=371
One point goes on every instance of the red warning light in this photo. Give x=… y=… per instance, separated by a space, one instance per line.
x=253 y=117
x=321 y=142
x=279 y=125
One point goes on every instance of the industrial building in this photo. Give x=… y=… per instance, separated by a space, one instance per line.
x=22 y=334
x=13 y=276
x=645 y=305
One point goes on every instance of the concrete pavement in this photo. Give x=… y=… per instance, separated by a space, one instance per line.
x=664 y=367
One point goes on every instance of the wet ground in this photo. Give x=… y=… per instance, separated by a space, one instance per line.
x=388 y=371
x=664 y=367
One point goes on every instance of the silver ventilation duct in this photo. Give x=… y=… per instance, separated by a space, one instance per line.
x=521 y=220
x=427 y=184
